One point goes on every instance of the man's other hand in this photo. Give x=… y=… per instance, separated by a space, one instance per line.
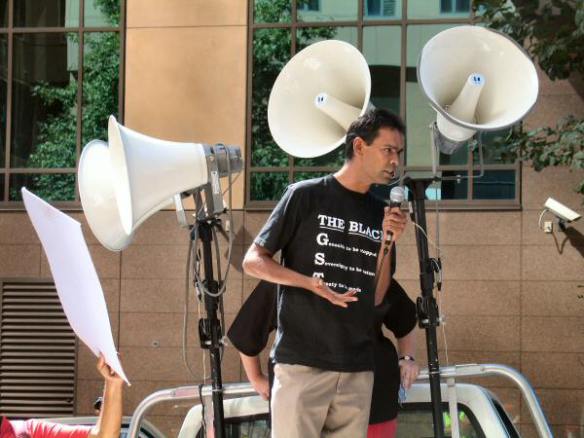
x=320 y=288
x=261 y=385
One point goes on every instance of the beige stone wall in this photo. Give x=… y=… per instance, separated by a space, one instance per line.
x=511 y=295
x=186 y=71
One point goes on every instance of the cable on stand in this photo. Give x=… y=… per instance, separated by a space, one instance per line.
x=210 y=330
x=427 y=309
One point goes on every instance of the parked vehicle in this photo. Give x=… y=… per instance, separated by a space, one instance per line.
x=480 y=415
x=147 y=429
x=470 y=410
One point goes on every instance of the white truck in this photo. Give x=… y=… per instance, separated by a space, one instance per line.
x=470 y=411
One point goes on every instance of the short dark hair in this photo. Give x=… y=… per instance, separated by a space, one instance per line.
x=367 y=127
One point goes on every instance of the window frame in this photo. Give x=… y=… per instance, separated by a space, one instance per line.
x=7 y=171
x=294 y=25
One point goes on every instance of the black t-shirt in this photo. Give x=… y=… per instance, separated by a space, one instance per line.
x=251 y=329
x=325 y=230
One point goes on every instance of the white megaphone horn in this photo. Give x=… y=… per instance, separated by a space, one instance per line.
x=316 y=96
x=477 y=80
x=124 y=184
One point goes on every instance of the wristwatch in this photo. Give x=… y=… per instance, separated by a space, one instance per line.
x=406 y=357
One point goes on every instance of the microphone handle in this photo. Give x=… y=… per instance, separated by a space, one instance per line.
x=389 y=237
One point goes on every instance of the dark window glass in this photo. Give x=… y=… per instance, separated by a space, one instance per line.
x=373 y=7
x=3 y=13
x=268 y=186
x=102 y=13
x=309 y=5
x=271 y=51
x=44 y=112
x=453 y=186
x=46 y=13
x=378 y=9
x=495 y=184
x=3 y=89
x=314 y=11
x=511 y=430
x=49 y=186
x=101 y=61
x=256 y=426
x=382 y=49
x=445 y=6
x=272 y=11
x=462 y=5
x=419 y=115
x=415 y=420
x=438 y=9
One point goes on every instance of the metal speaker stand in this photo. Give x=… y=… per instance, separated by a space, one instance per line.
x=427 y=308
x=210 y=332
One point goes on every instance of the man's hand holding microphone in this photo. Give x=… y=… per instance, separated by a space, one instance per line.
x=394 y=220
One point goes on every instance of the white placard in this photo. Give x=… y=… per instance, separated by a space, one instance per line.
x=75 y=277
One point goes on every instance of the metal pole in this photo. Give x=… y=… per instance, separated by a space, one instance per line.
x=210 y=328
x=426 y=303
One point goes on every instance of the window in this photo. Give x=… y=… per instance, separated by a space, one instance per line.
x=275 y=35
x=380 y=8
x=252 y=426
x=60 y=64
x=309 y=5
x=415 y=420
x=454 y=6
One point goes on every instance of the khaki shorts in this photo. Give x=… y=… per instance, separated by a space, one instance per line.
x=308 y=402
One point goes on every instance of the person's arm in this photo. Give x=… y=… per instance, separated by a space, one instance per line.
x=394 y=222
x=408 y=367
x=253 y=370
x=110 y=418
x=259 y=262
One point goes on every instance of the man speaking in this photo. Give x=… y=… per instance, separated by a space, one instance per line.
x=336 y=265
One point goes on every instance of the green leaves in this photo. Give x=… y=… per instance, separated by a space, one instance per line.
x=58 y=133
x=544 y=147
x=553 y=35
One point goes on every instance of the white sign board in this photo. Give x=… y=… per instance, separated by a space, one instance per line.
x=75 y=277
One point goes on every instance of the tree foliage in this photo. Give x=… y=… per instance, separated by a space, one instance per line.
x=58 y=132
x=553 y=35
x=271 y=52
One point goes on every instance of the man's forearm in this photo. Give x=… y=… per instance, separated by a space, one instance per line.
x=384 y=273
x=407 y=345
x=251 y=365
x=266 y=268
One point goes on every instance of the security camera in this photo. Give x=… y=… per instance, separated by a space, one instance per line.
x=561 y=211
x=563 y=214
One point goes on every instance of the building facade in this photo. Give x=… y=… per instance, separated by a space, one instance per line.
x=192 y=71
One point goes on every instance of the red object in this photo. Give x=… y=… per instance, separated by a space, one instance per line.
x=41 y=429
x=387 y=429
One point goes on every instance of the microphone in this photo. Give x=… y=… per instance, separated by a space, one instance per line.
x=396 y=197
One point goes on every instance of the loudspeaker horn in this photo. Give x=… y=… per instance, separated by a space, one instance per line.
x=135 y=176
x=148 y=171
x=98 y=197
x=476 y=79
x=316 y=96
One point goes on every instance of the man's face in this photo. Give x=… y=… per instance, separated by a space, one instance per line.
x=380 y=159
